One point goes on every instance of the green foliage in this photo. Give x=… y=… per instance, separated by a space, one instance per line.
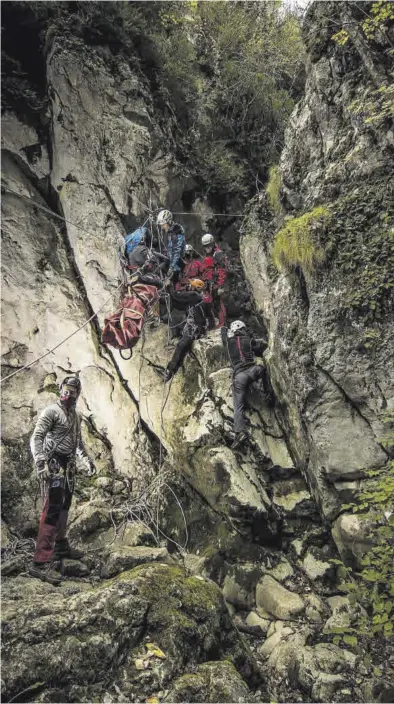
x=273 y=189
x=223 y=169
x=341 y=38
x=297 y=244
x=224 y=75
x=360 y=244
x=381 y=14
x=252 y=56
x=377 y=105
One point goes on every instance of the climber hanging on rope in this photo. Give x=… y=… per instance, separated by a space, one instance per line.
x=175 y=243
x=195 y=325
x=55 y=443
x=241 y=348
x=214 y=272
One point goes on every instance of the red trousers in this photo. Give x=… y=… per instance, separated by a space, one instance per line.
x=53 y=521
x=214 y=305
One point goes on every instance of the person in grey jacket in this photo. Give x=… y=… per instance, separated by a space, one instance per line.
x=55 y=442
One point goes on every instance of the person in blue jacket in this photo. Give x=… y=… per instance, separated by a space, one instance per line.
x=176 y=242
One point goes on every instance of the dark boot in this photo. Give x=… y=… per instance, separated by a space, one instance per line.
x=63 y=550
x=168 y=374
x=239 y=439
x=46 y=572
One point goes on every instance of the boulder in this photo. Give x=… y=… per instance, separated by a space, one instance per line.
x=350 y=534
x=125 y=558
x=283 y=658
x=254 y=620
x=282 y=571
x=316 y=569
x=139 y=631
x=211 y=682
x=278 y=600
x=323 y=668
x=273 y=640
x=239 y=587
x=275 y=627
x=325 y=686
x=5 y=536
x=315 y=608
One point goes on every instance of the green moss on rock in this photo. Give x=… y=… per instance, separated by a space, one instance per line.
x=273 y=189
x=212 y=682
x=297 y=245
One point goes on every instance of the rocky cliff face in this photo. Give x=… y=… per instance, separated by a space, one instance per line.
x=169 y=490
x=331 y=344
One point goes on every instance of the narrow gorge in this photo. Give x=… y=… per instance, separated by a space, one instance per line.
x=211 y=574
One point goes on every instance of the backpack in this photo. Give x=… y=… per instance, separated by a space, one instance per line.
x=122 y=329
x=133 y=239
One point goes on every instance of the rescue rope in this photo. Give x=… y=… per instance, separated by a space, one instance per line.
x=60 y=217
x=35 y=361
x=152 y=211
x=46 y=210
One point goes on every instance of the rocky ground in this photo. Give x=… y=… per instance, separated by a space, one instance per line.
x=244 y=613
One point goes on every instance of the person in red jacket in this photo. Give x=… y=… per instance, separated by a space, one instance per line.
x=214 y=271
x=191 y=270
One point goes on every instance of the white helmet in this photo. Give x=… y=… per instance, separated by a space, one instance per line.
x=237 y=325
x=188 y=249
x=164 y=218
x=207 y=239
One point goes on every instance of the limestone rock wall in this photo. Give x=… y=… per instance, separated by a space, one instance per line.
x=331 y=348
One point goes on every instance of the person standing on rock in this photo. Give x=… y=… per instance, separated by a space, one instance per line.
x=55 y=442
x=214 y=272
x=175 y=243
x=241 y=348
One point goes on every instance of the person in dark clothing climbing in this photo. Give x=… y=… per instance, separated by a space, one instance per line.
x=55 y=442
x=241 y=348
x=175 y=243
x=214 y=272
x=194 y=326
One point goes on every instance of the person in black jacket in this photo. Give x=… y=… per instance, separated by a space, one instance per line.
x=241 y=348
x=195 y=325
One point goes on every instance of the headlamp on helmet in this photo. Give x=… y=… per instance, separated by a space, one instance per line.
x=70 y=388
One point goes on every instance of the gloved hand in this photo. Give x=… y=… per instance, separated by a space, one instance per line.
x=43 y=471
x=220 y=291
